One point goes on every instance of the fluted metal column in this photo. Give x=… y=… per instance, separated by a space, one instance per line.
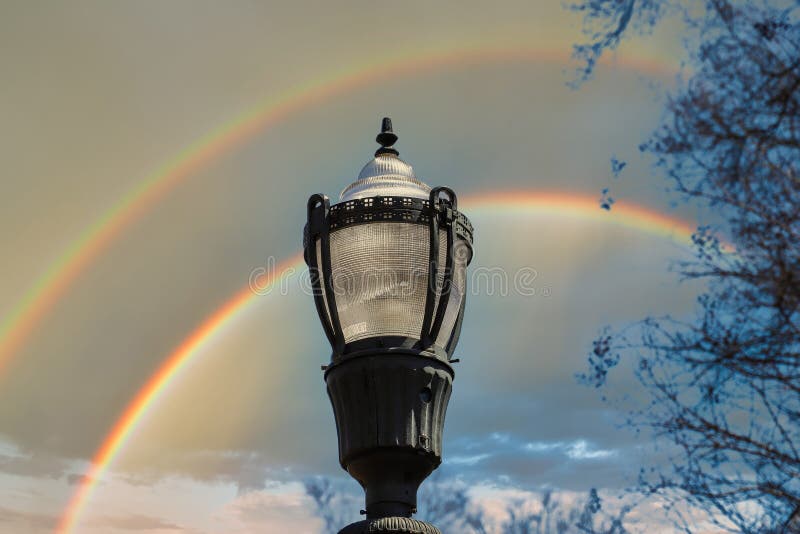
x=390 y=411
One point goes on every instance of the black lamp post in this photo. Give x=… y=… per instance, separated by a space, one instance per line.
x=388 y=268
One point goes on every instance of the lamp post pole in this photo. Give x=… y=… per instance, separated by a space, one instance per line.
x=388 y=268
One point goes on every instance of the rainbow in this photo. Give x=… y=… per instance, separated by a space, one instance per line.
x=17 y=326
x=169 y=369
x=582 y=207
x=553 y=203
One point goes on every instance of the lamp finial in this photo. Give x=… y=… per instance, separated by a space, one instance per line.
x=386 y=139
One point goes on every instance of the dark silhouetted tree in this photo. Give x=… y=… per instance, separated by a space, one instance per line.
x=335 y=506
x=448 y=505
x=724 y=385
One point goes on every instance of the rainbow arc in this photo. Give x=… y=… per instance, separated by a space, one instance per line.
x=551 y=203
x=48 y=289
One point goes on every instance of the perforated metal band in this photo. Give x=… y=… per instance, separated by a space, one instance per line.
x=386 y=208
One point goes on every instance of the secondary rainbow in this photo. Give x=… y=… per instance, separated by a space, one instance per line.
x=17 y=326
x=554 y=203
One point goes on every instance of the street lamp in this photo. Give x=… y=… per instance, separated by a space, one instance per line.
x=388 y=270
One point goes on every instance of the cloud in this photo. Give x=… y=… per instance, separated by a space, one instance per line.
x=137 y=523
x=77 y=480
x=13 y=520
x=573 y=464
x=281 y=508
x=580 y=450
x=247 y=470
x=14 y=461
x=468 y=460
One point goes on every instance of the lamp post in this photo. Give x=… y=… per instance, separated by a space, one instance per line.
x=388 y=271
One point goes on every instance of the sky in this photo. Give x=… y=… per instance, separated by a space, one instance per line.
x=99 y=100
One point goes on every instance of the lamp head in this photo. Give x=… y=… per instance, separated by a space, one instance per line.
x=388 y=261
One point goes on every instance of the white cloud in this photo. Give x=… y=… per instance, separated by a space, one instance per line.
x=283 y=507
x=137 y=523
x=580 y=450
x=467 y=460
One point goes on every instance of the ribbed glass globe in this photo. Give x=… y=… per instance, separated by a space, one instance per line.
x=380 y=269
x=380 y=277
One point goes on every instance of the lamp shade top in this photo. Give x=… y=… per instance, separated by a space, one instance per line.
x=386 y=175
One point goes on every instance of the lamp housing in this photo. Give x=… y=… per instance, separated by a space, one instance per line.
x=388 y=266
x=388 y=270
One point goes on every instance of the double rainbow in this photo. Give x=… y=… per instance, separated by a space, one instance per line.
x=49 y=288
x=18 y=325
x=552 y=203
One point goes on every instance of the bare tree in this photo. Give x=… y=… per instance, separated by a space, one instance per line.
x=724 y=385
x=334 y=505
x=448 y=505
